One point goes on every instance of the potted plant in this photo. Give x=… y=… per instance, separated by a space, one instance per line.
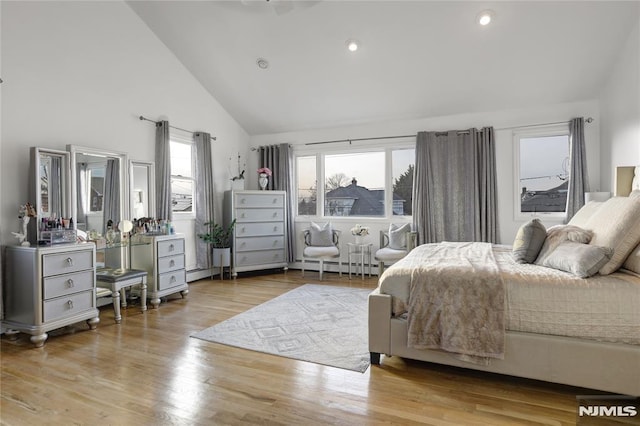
x=220 y=239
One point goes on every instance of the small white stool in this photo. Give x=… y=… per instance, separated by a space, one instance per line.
x=115 y=281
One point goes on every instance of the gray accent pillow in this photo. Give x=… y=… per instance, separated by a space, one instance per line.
x=529 y=241
x=559 y=234
x=398 y=236
x=321 y=235
x=582 y=260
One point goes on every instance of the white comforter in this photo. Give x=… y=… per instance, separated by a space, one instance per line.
x=546 y=301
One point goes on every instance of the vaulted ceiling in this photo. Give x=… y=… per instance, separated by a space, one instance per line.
x=416 y=58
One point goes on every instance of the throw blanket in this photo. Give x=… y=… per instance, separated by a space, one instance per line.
x=456 y=302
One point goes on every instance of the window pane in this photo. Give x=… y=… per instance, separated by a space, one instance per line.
x=402 y=163
x=354 y=184
x=181 y=159
x=96 y=191
x=181 y=195
x=544 y=173
x=307 y=187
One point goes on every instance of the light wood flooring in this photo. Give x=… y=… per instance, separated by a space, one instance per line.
x=148 y=371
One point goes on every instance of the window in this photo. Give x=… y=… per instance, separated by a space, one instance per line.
x=182 y=176
x=377 y=183
x=542 y=163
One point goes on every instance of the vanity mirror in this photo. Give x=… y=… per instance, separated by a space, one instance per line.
x=50 y=188
x=141 y=179
x=99 y=187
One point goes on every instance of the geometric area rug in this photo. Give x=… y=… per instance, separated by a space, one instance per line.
x=321 y=324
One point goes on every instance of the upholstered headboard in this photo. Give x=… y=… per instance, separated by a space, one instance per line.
x=627 y=179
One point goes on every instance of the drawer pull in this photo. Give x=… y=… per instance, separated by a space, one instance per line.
x=69 y=261
x=243 y=244
x=172 y=263
x=173 y=279
x=275 y=228
x=70 y=283
x=243 y=230
x=275 y=214
x=275 y=201
x=171 y=247
x=275 y=243
x=243 y=201
x=70 y=304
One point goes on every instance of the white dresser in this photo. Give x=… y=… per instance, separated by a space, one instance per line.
x=49 y=288
x=163 y=259
x=260 y=232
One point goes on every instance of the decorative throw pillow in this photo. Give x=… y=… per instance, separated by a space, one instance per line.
x=635 y=183
x=635 y=194
x=398 y=236
x=321 y=235
x=560 y=233
x=582 y=260
x=529 y=241
x=582 y=216
x=616 y=224
x=633 y=260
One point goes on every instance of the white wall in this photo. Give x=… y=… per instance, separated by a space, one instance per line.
x=504 y=151
x=620 y=111
x=81 y=73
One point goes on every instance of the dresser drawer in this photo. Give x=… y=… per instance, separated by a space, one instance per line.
x=65 y=306
x=259 y=257
x=259 y=200
x=260 y=243
x=170 y=263
x=172 y=279
x=259 y=215
x=259 y=229
x=63 y=263
x=61 y=285
x=170 y=247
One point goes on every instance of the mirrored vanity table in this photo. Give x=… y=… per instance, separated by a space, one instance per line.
x=49 y=287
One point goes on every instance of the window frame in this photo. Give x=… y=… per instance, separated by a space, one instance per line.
x=320 y=155
x=186 y=141
x=525 y=133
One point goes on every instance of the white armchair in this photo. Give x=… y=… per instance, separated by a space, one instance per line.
x=327 y=251
x=404 y=240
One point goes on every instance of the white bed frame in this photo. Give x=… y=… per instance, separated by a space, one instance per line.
x=611 y=367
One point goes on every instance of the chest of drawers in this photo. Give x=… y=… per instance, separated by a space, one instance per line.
x=260 y=232
x=163 y=259
x=49 y=288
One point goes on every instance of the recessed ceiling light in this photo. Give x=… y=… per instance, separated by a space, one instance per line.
x=352 y=45
x=262 y=63
x=485 y=17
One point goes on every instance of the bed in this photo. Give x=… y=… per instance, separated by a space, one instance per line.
x=556 y=326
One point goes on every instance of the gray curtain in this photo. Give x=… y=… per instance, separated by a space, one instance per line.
x=163 y=172
x=205 y=195
x=578 y=177
x=279 y=159
x=81 y=196
x=111 y=198
x=454 y=191
x=55 y=192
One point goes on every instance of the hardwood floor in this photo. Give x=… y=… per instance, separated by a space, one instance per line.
x=148 y=371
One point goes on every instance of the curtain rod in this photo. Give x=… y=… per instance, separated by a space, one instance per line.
x=264 y=146
x=174 y=127
x=587 y=120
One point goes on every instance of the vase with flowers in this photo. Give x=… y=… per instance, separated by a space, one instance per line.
x=264 y=173
x=359 y=232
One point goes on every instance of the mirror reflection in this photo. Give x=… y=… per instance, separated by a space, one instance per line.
x=142 y=179
x=99 y=189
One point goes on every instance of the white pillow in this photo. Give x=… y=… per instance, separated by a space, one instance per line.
x=582 y=216
x=398 y=236
x=633 y=260
x=616 y=224
x=582 y=260
x=558 y=234
x=635 y=183
x=321 y=235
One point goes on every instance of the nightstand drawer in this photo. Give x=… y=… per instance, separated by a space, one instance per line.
x=259 y=200
x=61 y=285
x=259 y=215
x=170 y=263
x=63 y=263
x=170 y=247
x=65 y=306
x=172 y=279
x=260 y=243
x=259 y=229
x=259 y=257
